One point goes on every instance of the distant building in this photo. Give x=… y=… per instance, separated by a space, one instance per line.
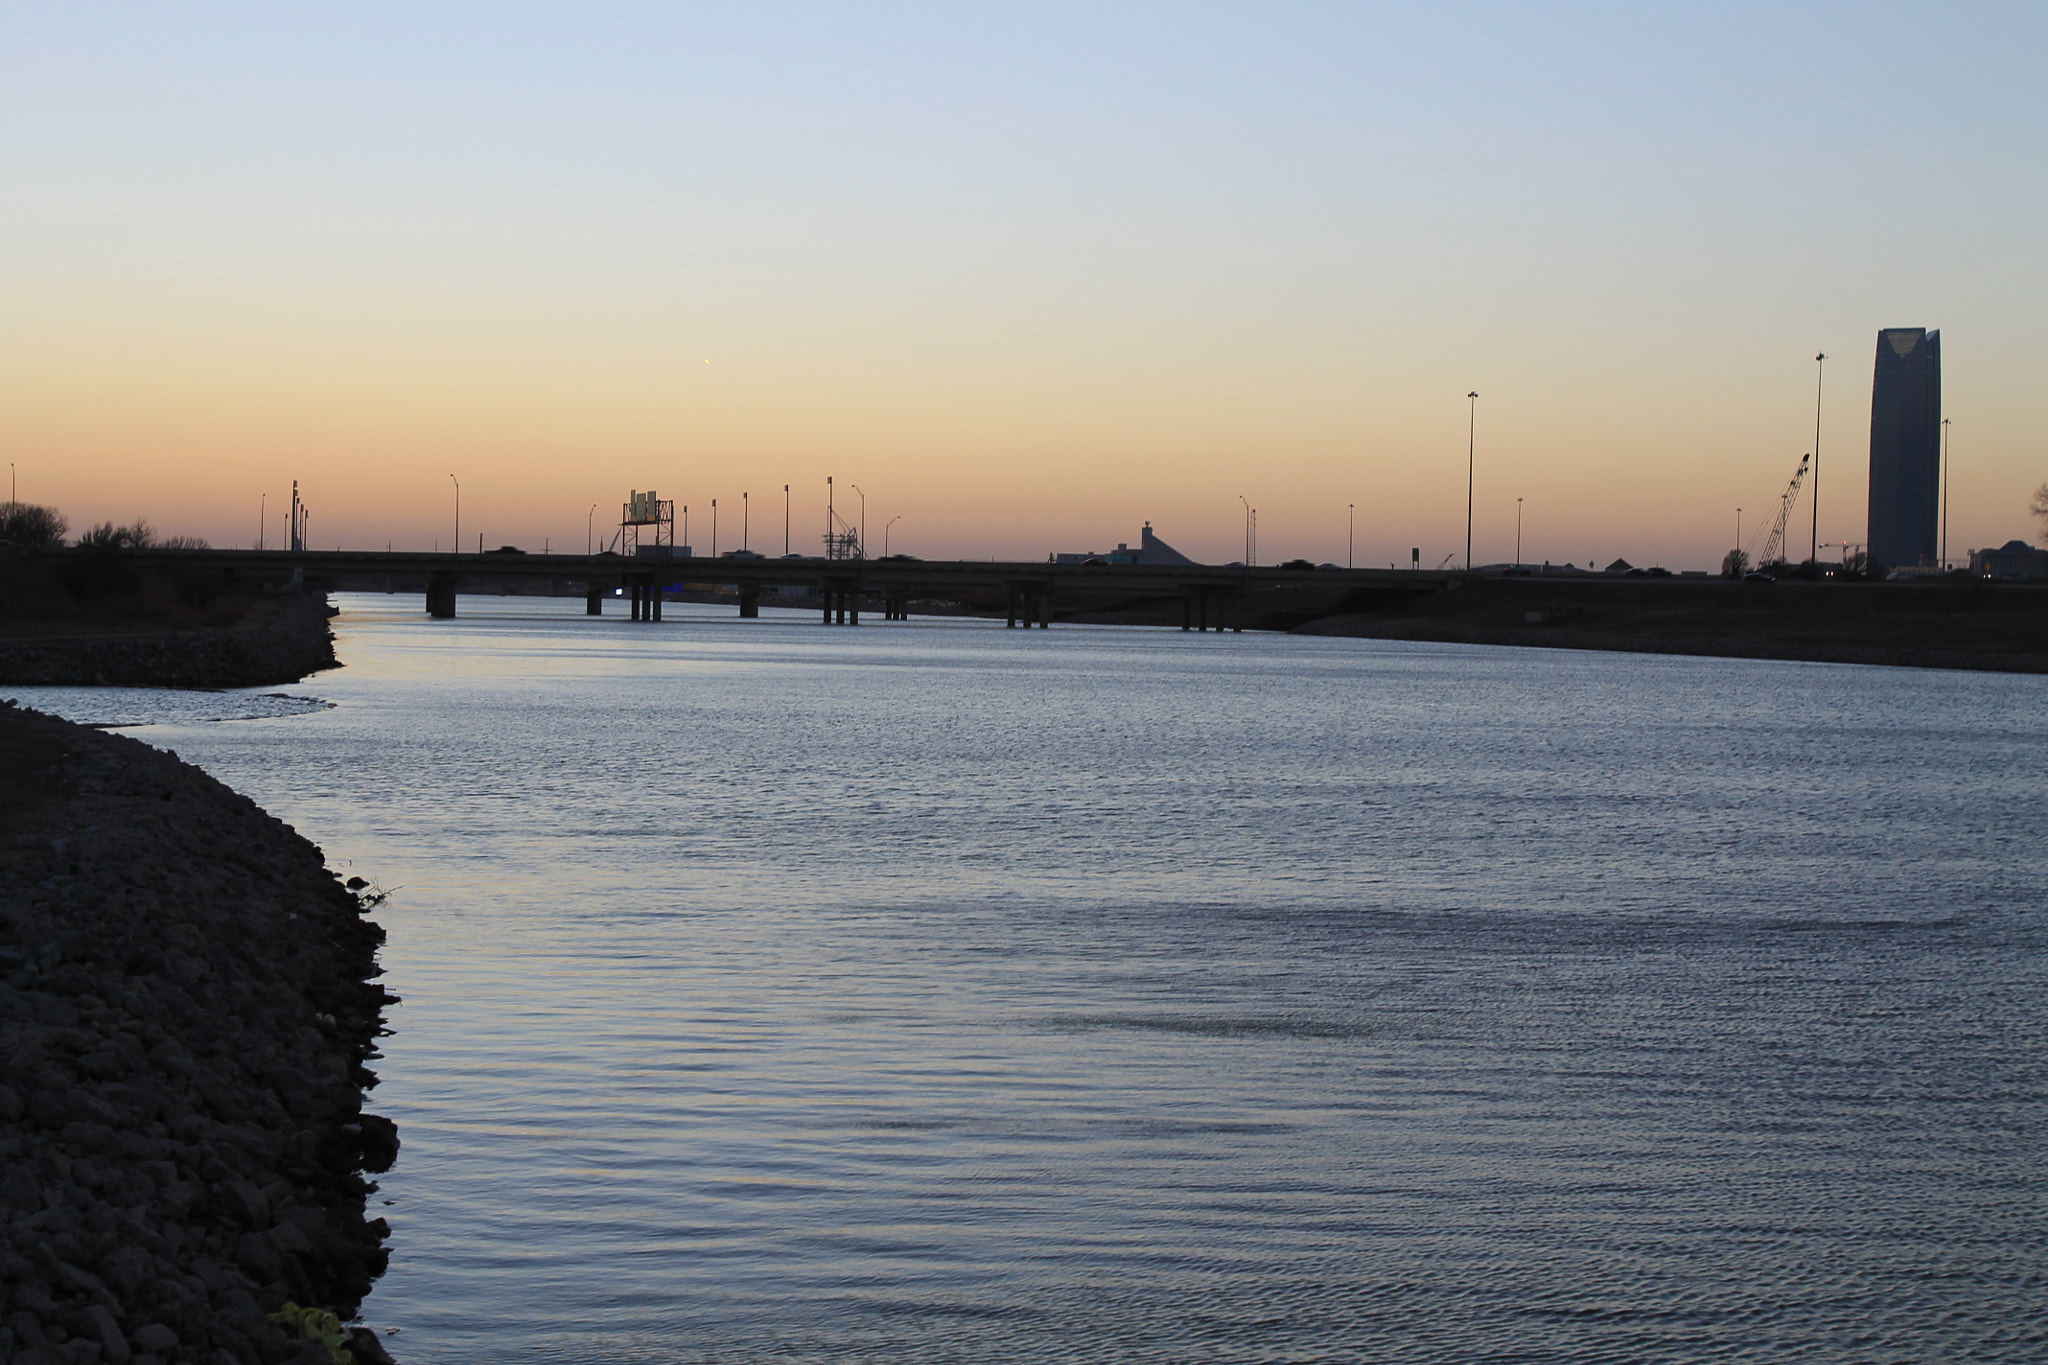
x=1151 y=550
x=1905 y=448
x=2014 y=559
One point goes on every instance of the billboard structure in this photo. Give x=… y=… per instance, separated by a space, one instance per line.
x=647 y=526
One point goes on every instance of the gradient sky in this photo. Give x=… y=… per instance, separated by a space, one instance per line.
x=1027 y=277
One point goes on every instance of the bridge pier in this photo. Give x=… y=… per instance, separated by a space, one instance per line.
x=1207 y=607
x=441 y=595
x=593 y=602
x=750 y=601
x=654 y=597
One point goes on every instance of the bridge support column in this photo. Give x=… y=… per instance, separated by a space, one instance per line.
x=825 y=594
x=441 y=595
x=1010 y=614
x=653 y=598
x=1045 y=608
x=593 y=602
x=750 y=601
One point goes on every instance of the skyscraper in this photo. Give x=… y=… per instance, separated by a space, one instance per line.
x=1905 y=447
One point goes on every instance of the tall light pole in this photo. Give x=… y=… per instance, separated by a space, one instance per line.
x=863 y=520
x=1518 y=533
x=785 y=521
x=1247 y=551
x=885 y=534
x=458 y=512
x=1820 y=363
x=1738 y=531
x=1471 y=448
x=1350 y=532
x=12 y=499
x=1944 y=495
x=746 y=523
x=714 y=528
x=262 y=518
x=590 y=530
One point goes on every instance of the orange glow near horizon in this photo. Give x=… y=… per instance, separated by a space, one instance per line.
x=1025 y=290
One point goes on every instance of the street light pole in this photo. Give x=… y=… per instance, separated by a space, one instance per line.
x=785 y=521
x=1247 y=551
x=714 y=528
x=1820 y=362
x=1350 y=532
x=1944 y=495
x=458 y=512
x=590 y=530
x=1471 y=448
x=746 y=523
x=885 y=534
x=863 y=520
x=1518 y=533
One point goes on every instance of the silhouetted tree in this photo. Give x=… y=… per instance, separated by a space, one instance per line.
x=107 y=536
x=1735 y=564
x=29 y=527
x=184 y=543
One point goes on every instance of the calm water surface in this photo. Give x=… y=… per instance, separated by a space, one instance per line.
x=933 y=992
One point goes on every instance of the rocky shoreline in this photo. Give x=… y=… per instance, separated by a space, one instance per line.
x=188 y=997
x=281 y=639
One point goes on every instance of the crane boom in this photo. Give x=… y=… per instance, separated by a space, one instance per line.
x=1774 y=543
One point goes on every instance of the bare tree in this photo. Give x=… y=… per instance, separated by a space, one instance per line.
x=26 y=526
x=107 y=536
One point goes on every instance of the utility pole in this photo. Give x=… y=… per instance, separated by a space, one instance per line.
x=1471 y=447
x=1820 y=362
x=1944 y=495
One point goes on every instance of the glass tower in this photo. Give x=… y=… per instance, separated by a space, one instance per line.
x=1905 y=447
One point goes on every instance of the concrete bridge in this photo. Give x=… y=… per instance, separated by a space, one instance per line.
x=1212 y=597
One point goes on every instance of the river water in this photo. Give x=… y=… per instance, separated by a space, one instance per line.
x=931 y=991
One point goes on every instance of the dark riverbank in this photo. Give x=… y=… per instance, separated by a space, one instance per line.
x=187 y=1000
x=159 y=633
x=1999 y=627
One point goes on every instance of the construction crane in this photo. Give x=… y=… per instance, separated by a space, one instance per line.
x=1774 y=543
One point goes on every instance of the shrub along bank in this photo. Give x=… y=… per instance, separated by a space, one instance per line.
x=187 y=1001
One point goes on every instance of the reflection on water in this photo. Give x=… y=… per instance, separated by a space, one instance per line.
x=929 y=991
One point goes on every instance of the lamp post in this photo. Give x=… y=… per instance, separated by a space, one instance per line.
x=746 y=523
x=1350 y=532
x=458 y=512
x=1471 y=448
x=885 y=534
x=714 y=528
x=262 y=518
x=1944 y=495
x=1820 y=362
x=590 y=530
x=863 y=520
x=1247 y=550
x=1518 y=533
x=785 y=521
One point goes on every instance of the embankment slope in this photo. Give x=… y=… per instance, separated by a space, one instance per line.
x=187 y=1001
